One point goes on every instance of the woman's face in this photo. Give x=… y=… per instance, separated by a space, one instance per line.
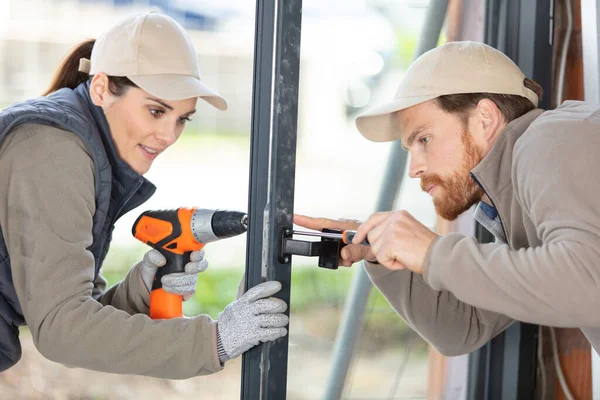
x=142 y=126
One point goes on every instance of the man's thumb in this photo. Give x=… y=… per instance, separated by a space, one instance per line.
x=354 y=252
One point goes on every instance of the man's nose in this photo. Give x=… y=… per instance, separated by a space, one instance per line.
x=416 y=168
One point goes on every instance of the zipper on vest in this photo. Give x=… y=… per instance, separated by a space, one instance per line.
x=497 y=210
x=126 y=200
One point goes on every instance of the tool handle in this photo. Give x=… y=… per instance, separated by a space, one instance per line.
x=164 y=305
x=348 y=235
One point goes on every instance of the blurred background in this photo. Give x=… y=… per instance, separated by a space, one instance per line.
x=353 y=55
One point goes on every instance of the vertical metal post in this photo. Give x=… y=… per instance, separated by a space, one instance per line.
x=535 y=44
x=353 y=316
x=272 y=177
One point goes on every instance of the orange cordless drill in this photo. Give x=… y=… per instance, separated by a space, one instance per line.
x=176 y=234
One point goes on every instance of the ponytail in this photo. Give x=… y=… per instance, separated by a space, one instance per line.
x=68 y=75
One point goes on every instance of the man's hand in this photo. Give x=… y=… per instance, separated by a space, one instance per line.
x=181 y=283
x=253 y=318
x=397 y=239
x=351 y=253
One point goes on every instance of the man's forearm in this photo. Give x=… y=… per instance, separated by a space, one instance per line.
x=555 y=284
x=448 y=324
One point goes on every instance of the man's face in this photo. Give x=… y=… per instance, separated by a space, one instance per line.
x=442 y=154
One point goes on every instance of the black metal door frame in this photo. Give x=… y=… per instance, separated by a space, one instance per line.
x=505 y=368
x=272 y=177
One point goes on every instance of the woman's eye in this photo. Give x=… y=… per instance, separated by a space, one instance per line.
x=425 y=139
x=184 y=120
x=156 y=113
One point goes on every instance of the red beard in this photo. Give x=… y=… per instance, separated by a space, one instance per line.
x=458 y=191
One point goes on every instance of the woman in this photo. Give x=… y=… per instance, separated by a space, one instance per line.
x=71 y=163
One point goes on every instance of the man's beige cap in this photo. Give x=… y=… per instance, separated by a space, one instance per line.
x=455 y=67
x=155 y=53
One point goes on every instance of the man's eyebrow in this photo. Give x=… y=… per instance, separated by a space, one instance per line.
x=169 y=107
x=412 y=137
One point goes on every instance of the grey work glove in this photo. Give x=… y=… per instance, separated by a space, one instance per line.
x=181 y=283
x=253 y=318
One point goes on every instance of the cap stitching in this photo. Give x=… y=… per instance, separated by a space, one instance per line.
x=487 y=62
x=484 y=53
x=137 y=48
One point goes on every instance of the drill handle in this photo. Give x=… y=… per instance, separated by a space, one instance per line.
x=175 y=263
x=165 y=305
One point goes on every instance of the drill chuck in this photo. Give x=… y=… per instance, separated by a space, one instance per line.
x=211 y=225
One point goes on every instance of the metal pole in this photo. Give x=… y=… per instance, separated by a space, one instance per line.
x=354 y=310
x=259 y=166
x=272 y=177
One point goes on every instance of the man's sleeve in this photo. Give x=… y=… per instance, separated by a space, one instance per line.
x=557 y=283
x=46 y=209
x=451 y=326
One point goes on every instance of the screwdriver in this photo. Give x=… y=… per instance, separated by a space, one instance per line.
x=346 y=236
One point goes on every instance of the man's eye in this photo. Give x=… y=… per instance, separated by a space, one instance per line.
x=425 y=139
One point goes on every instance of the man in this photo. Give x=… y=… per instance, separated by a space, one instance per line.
x=468 y=118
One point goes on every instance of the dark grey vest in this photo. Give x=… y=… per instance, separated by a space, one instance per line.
x=118 y=189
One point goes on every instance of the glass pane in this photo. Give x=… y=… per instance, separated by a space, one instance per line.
x=353 y=58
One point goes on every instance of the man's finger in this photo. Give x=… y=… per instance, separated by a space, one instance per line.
x=319 y=224
x=378 y=232
x=309 y=222
x=397 y=266
x=353 y=253
x=373 y=221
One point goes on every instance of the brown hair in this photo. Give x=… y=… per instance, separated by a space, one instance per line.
x=69 y=76
x=511 y=106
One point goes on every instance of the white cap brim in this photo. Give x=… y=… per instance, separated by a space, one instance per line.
x=178 y=87
x=378 y=123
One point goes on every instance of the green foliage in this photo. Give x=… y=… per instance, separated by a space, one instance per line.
x=406 y=47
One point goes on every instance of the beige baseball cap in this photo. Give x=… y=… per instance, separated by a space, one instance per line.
x=155 y=53
x=453 y=68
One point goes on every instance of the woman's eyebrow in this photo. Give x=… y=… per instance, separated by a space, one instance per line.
x=168 y=106
x=162 y=103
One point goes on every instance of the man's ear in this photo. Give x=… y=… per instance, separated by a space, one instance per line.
x=489 y=119
x=99 y=90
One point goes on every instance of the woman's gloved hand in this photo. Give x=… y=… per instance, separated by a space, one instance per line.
x=181 y=283
x=252 y=318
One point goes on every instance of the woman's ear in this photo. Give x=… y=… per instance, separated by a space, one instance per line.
x=99 y=90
